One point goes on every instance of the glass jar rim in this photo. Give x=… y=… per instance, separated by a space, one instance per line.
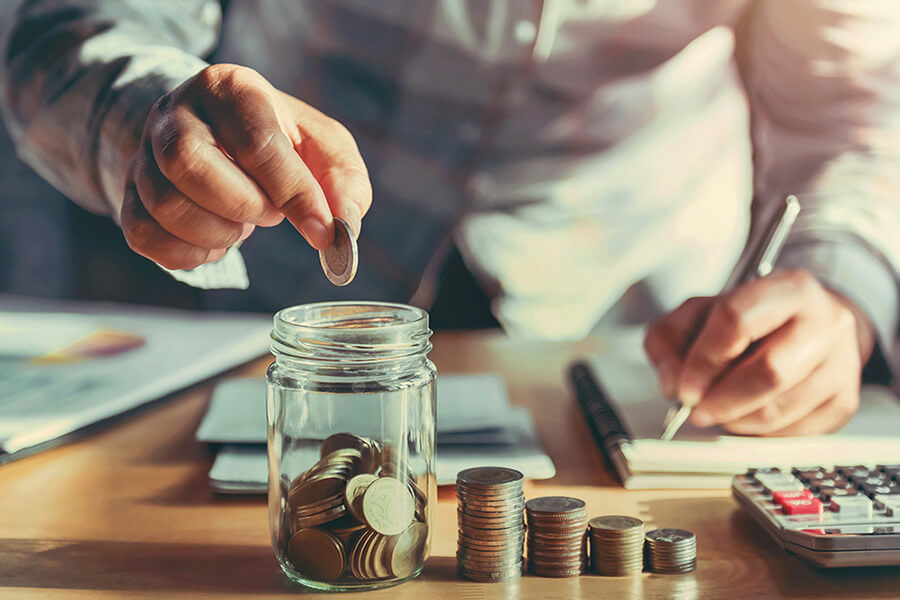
x=348 y=330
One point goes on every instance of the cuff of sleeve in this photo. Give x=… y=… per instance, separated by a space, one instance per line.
x=229 y=272
x=854 y=272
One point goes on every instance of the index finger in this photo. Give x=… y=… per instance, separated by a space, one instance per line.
x=245 y=121
x=748 y=314
x=668 y=339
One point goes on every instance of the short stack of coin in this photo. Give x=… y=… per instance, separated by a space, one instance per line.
x=671 y=551
x=350 y=514
x=491 y=527
x=557 y=545
x=617 y=545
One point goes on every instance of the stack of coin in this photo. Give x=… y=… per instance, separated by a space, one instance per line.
x=491 y=527
x=350 y=514
x=617 y=545
x=556 y=536
x=671 y=551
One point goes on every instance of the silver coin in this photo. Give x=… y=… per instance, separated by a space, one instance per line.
x=670 y=536
x=491 y=576
x=339 y=260
x=615 y=523
x=555 y=504
x=491 y=477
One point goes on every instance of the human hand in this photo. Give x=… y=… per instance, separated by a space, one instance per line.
x=226 y=152
x=778 y=356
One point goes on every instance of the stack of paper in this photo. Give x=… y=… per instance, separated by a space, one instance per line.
x=65 y=366
x=476 y=426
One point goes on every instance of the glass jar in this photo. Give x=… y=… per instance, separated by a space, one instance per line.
x=351 y=441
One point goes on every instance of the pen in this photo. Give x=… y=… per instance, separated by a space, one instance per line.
x=757 y=263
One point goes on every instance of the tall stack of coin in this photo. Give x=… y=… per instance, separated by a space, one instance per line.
x=617 y=545
x=491 y=527
x=671 y=551
x=557 y=545
x=352 y=514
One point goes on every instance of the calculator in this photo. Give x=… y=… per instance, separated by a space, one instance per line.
x=831 y=516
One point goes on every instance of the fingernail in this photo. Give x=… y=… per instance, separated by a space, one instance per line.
x=701 y=417
x=315 y=233
x=354 y=218
x=248 y=229
x=688 y=396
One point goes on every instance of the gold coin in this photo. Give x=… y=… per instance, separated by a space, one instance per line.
x=356 y=553
x=317 y=554
x=353 y=493
x=316 y=489
x=319 y=518
x=407 y=551
x=388 y=506
x=376 y=557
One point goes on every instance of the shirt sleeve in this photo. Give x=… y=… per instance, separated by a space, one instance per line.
x=823 y=81
x=78 y=78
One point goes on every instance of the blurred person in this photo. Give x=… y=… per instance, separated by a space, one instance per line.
x=589 y=161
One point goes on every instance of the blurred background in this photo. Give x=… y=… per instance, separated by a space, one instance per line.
x=52 y=248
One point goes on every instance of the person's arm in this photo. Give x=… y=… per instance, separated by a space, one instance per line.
x=109 y=102
x=824 y=85
x=79 y=77
x=783 y=355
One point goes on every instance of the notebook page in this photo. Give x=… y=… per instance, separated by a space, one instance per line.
x=872 y=436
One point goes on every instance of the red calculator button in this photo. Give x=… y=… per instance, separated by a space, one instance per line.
x=803 y=506
x=781 y=497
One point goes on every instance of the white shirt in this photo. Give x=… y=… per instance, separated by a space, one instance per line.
x=572 y=149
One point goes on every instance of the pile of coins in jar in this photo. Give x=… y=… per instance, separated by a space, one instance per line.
x=491 y=534
x=352 y=515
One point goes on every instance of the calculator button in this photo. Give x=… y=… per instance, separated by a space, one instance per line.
x=764 y=471
x=827 y=493
x=810 y=475
x=853 y=470
x=809 y=469
x=880 y=490
x=782 y=497
x=890 y=504
x=802 y=506
x=891 y=471
x=786 y=484
x=823 y=483
x=871 y=479
x=852 y=505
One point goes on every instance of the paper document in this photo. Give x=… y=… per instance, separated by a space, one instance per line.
x=471 y=409
x=63 y=367
x=242 y=469
x=503 y=435
x=708 y=457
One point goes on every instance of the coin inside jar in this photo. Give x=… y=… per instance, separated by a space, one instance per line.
x=354 y=492
x=317 y=554
x=388 y=506
x=407 y=550
x=340 y=258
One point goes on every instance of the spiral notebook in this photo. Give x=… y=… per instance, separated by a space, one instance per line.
x=625 y=410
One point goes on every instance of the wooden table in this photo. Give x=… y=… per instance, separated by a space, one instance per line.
x=127 y=512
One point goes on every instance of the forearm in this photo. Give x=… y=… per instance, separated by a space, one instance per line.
x=79 y=77
x=825 y=92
